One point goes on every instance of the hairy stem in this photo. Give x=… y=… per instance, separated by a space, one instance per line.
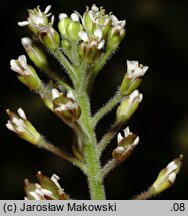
x=42 y=143
x=107 y=107
x=92 y=160
x=57 y=78
x=65 y=63
x=112 y=132
x=109 y=166
x=146 y=194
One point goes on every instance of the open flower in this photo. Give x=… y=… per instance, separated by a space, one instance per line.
x=48 y=189
x=126 y=145
x=91 y=47
x=135 y=70
x=132 y=78
x=26 y=73
x=65 y=106
x=22 y=127
x=38 y=19
x=20 y=66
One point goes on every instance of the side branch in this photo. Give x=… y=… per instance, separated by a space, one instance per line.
x=109 y=166
x=65 y=63
x=107 y=107
x=42 y=143
x=112 y=132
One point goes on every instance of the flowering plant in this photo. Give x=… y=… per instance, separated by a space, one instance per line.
x=82 y=46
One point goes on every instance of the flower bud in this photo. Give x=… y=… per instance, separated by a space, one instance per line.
x=47 y=189
x=69 y=27
x=128 y=106
x=73 y=29
x=63 y=24
x=26 y=73
x=125 y=145
x=35 y=53
x=87 y=21
x=132 y=78
x=22 y=127
x=65 y=44
x=167 y=176
x=65 y=107
x=115 y=36
x=50 y=38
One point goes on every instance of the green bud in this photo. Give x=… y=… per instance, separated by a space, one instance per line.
x=128 y=106
x=50 y=38
x=72 y=30
x=65 y=44
x=35 y=53
x=63 y=24
x=167 y=176
x=87 y=22
x=115 y=36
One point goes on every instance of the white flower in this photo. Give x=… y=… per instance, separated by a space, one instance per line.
x=17 y=123
x=135 y=96
x=93 y=40
x=135 y=70
x=21 y=126
x=39 y=19
x=127 y=133
x=117 y=23
x=20 y=66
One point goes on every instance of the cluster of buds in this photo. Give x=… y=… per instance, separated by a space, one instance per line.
x=126 y=145
x=132 y=78
x=65 y=106
x=96 y=30
x=69 y=27
x=22 y=127
x=46 y=189
x=167 y=176
x=40 y=24
x=26 y=73
x=128 y=106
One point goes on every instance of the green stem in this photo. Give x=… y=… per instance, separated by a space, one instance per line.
x=109 y=166
x=65 y=63
x=107 y=107
x=42 y=143
x=114 y=129
x=146 y=194
x=57 y=78
x=92 y=160
x=101 y=62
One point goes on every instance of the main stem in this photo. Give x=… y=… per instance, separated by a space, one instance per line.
x=92 y=158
